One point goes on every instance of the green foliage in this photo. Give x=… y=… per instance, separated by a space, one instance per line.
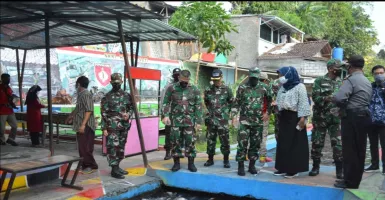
x=381 y=54
x=208 y=21
x=370 y=62
x=344 y=23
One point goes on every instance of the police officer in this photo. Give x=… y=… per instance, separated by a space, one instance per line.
x=182 y=110
x=325 y=118
x=249 y=102
x=116 y=110
x=167 y=146
x=353 y=99
x=218 y=99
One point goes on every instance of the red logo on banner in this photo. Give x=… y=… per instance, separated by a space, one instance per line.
x=103 y=74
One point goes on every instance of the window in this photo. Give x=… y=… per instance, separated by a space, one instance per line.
x=265 y=32
x=275 y=37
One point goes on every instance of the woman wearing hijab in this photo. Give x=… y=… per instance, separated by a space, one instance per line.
x=34 y=119
x=292 y=154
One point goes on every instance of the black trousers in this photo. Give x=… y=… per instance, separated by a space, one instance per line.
x=354 y=129
x=86 y=148
x=34 y=138
x=377 y=133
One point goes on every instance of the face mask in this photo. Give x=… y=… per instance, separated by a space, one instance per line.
x=380 y=78
x=183 y=84
x=337 y=73
x=176 y=78
x=283 y=80
x=6 y=82
x=253 y=81
x=116 y=86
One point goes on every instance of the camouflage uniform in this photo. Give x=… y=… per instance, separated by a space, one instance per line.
x=323 y=119
x=249 y=102
x=274 y=85
x=113 y=105
x=184 y=108
x=218 y=101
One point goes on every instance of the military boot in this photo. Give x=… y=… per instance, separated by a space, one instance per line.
x=168 y=155
x=191 y=165
x=210 y=161
x=115 y=172
x=241 y=168
x=252 y=168
x=176 y=166
x=339 y=171
x=315 y=170
x=122 y=171
x=226 y=163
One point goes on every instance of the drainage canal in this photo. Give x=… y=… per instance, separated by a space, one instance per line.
x=168 y=193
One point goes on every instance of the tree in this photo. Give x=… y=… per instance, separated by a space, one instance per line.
x=381 y=54
x=343 y=23
x=208 y=22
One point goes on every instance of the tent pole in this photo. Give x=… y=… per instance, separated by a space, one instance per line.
x=19 y=81
x=136 y=53
x=49 y=93
x=130 y=82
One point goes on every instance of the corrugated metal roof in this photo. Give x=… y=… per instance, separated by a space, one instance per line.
x=75 y=23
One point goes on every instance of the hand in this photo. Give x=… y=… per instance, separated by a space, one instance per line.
x=301 y=123
x=166 y=121
x=81 y=129
x=105 y=133
x=69 y=119
x=265 y=117
x=329 y=99
x=125 y=116
x=234 y=121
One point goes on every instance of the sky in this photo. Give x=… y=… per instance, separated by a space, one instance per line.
x=376 y=13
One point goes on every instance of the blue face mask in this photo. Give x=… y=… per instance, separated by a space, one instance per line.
x=380 y=78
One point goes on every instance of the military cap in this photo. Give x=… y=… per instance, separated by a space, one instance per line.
x=254 y=72
x=334 y=63
x=263 y=76
x=176 y=71
x=357 y=61
x=116 y=78
x=216 y=74
x=185 y=74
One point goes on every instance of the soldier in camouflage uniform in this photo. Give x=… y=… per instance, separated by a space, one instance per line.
x=249 y=102
x=218 y=99
x=182 y=110
x=167 y=145
x=116 y=110
x=325 y=117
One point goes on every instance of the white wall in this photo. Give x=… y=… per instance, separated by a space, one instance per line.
x=264 y=46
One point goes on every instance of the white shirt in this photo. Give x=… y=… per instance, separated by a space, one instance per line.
x=294 y=100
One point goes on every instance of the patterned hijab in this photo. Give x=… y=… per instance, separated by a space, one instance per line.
x=291 y=75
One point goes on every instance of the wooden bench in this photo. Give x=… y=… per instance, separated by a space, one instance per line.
x=25 y=166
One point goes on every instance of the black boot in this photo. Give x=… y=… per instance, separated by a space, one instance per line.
x=168 y=155
x=176 y=166
x=210 y=161
x=315 y=170
x=339 y=172
x=122 y=171
x=115 y=172
x=241 y=168
x=191 y=165
x=252 y=168
x=226 y=163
